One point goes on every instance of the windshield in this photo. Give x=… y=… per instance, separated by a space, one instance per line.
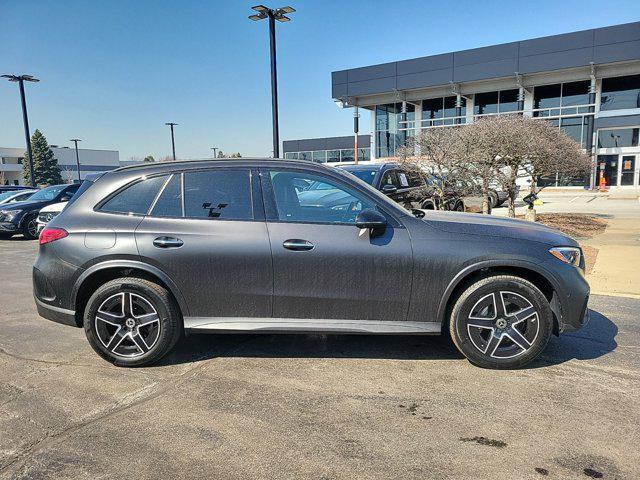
x=376 y=193
x=84 y=186
x=48 y=193
x=5 y=195
x=365 y=175
x=320 y=186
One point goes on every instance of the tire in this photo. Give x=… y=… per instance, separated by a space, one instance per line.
x=492 y=340
x=493 y=199
x=30 y=227
x=133 y=336
x=459 y=207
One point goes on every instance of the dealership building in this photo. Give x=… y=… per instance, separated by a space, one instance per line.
x=586 y=83
x=11 y=160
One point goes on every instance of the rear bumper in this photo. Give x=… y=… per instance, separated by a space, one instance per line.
x=56 y=314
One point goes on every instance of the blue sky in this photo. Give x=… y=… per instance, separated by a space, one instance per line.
x=113 y=72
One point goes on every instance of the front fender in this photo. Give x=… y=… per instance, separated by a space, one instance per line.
x=493 y=263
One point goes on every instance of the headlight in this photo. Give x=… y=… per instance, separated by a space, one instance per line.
x=9 y=215
x=570 y=255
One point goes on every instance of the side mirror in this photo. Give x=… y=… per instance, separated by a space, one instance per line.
x=371 y=219
x=389 y=189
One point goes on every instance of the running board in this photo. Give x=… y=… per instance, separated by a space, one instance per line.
x=301 y=325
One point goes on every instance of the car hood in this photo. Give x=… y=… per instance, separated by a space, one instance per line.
x=54 y=207
x=489 y=225
x=26 y=205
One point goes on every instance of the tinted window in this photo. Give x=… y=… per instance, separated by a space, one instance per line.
x=389 y=178
x=84 y=186
x=547 y=96
x=623 y=137
x=334 y=203
x=218 y=194
x=136 y=198
x=366 y=175
x=620 y=92
x=170 y=202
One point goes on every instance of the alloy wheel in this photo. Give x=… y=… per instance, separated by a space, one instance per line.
x=127 y=324
x=32 y=227
x=503 y=324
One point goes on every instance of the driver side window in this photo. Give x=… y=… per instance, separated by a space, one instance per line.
x=323 y=201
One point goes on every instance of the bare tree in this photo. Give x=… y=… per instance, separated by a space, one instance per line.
x=441 y=154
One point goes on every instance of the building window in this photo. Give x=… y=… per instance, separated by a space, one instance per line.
x=441 y=111
x=331 y=156
x=620 y=93
x=488 y=103
x=621 y=137
x=320 y=156
x=575 y=127
x=561 y=98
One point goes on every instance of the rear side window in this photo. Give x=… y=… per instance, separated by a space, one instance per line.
x=136 y=198
x=169 y=204
x=218 y=194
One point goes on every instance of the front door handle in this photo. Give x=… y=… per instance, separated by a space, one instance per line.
x=297 y=244
x=167 y=242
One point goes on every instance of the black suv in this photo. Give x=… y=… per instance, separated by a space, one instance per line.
x=148 y=252
x=409 y=189
x=22 y=217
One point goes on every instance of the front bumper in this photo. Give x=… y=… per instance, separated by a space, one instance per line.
x=9 y=227
x=571 y=299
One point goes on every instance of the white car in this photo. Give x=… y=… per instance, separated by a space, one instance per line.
x=48 y=213
x=16 y=196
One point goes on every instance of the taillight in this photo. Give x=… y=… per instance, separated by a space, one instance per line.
x=52 y=234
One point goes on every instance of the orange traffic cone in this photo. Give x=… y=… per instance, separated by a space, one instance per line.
x=603 y=184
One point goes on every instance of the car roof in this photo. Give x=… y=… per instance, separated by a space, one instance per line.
x=369 y=166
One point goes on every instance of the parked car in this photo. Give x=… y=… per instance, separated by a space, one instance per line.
x=13 y=188
x=13 y=196
x=407 y=188
x=21 y=217
x=49 y=212
x=149 y=252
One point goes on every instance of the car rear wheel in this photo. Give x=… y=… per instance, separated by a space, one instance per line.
x=501 y=322
x=30 y=228
x=132 y=322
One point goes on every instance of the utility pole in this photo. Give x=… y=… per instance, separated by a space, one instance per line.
x=20 y=79
x=356 y=122
x=173 y=142
x=215 y=149
x=76 y=140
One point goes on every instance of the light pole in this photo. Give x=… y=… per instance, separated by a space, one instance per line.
x=214 y=151
x=273 y=15
x=173 y=142
x=76 y=140
x=21 y=79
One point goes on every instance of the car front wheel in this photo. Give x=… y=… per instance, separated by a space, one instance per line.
x=132 y=322
x=501 y=322
x=30 y=228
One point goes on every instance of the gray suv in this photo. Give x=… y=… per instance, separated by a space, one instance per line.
x=149 y=252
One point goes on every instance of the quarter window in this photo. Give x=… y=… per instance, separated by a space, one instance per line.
x=219 y=194
x=170 y=202
x=329 y=202
x=137 y=198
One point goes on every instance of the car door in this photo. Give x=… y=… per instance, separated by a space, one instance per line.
x=206 y=232
x=324 y=267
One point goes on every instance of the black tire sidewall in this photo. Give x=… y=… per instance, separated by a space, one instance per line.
x=170 y=323
x=484 y=287
x=25 y=227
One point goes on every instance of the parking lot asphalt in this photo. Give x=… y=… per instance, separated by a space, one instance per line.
x=313 y=406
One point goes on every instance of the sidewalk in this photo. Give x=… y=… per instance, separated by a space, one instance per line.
x=617 y=267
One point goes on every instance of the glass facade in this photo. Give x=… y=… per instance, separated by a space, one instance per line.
x=442 y=111
x=330 y=156
x=620 y=137
x=561 y=99
x=503 y=101
x=620 y=93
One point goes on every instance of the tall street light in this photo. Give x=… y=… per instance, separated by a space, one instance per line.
x=20 y=79
x=76 y=140
x=173 y=142
x=214 y=151
x=273 y=15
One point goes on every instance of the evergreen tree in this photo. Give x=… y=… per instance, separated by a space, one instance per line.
x=45 y=164
x=149 y=158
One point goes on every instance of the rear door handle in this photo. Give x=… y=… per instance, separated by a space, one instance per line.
x=297 y=244
x=167 y=242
